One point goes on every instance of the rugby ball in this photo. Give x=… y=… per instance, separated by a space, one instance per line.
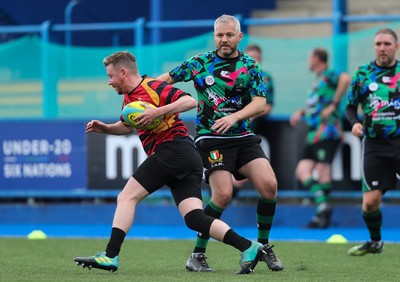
x=133 y=109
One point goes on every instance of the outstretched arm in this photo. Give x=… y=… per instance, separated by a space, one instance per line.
x=117 y=128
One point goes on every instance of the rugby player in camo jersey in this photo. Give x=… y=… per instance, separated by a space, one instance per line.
x=323 y=117
x=230 y=90
x=376 y=89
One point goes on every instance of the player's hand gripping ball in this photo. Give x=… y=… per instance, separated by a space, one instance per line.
x=133 y=109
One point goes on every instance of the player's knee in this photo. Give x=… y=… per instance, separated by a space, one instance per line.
x=268 y=194
x=267 y=188
x=122 y=197
x=198 y=221
x=222 y=199
x=299 y=172
x=372 y=201
x=125 y=196
x=371 y=206
x=304 y=170
x=272 y=184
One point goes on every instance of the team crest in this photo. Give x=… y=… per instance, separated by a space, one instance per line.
x=210 y=80
x=321 y=154
x=373 y=86
x=215 y=158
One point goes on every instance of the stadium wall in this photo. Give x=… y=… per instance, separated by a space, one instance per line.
x=43 y=145
x=58 y=155
x=149 y=214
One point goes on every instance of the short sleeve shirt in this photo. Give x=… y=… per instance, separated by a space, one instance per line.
x=320 y=96
x=377 y=90
x=158 y=93
x=223 y=86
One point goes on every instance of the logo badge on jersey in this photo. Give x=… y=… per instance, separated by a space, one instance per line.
x=386 y=79
x=210 y=80
x=373 y=86
x=375 y=101
x=225 y=74
x=215 y=158
x=321 y=154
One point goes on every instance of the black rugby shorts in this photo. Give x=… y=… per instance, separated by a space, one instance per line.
x=321 y=152
x=381 y=163
x=176 y=164
x=229 y=153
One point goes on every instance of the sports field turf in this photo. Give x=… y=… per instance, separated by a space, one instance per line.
x=154 y=260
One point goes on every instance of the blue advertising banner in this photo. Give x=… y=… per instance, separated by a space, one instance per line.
x=45 y=155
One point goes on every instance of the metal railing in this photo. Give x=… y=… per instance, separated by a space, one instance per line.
x=339 y=21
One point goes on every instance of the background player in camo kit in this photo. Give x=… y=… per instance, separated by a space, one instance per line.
x=376 y=89
x=323 y=118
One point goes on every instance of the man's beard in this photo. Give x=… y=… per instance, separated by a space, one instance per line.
x=233 y=50
x=119 y=91
x=385 y=61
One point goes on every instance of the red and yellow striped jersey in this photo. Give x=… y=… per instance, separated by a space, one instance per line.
x=158 y=93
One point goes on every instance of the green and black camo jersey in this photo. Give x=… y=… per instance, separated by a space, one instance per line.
x=223 y=86
x=320 y=96
x=377 y=90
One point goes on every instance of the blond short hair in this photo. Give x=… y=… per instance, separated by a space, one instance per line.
x=228 y=18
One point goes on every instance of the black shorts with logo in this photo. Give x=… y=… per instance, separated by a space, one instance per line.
x=381 y=163
x=176 y=164
x=229 y=153
x=321 y=152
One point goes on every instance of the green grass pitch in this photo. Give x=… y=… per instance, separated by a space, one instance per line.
x=154 y=260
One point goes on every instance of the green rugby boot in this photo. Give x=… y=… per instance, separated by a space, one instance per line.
x=370 y=247
x=100 y=260
x=250 y=257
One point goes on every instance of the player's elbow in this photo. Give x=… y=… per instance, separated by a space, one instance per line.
x=345 y=78
x=187 y=103
x=192 y=103
x=262 y=109
x=166 y=77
